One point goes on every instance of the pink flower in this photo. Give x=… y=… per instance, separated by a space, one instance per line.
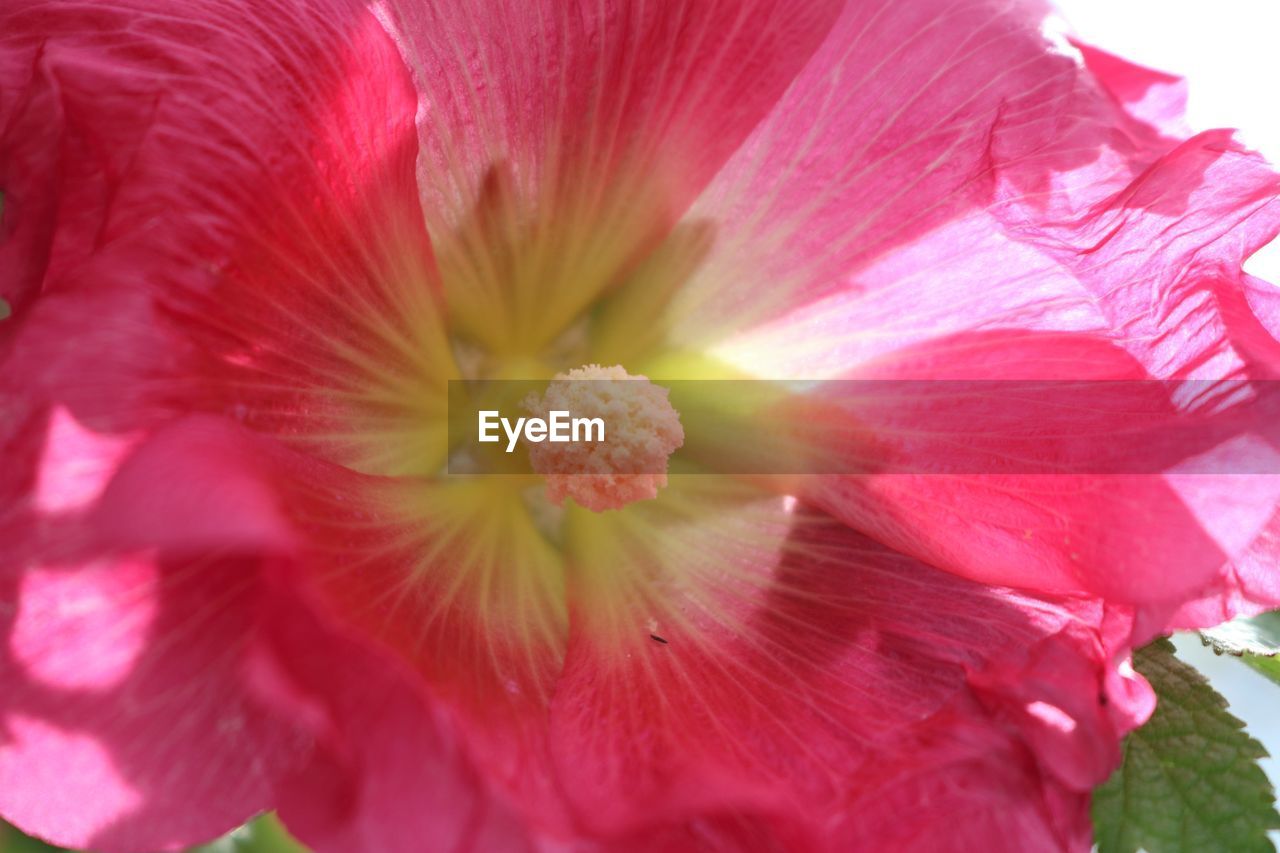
x=246 y=243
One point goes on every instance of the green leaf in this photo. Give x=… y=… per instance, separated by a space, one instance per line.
x=1190 y=779
x=1270 y=667
x=5 y=312
x=13 y=841
x=1254 y=635
x=264 y=835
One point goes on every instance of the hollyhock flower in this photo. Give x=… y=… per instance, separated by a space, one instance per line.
x=247 y=244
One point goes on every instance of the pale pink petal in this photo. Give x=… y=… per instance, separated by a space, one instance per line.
x=1085 y=478
x=911 y=116
x=1028 y=189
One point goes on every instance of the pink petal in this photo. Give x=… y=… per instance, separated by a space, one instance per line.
x=823 y=681
x=821 y=689
x=124 y=682
x=75 y=466
x=240 y=134
x=977 y=800
x=189 y=664
x=1093 y=485
x=561 y=142
x=63 y=613
x=1135 y=237
x=389 y=770
x=1030 y=196
x=1156 y=101
x=251 y=177
x=28 y=174
x=400 y=726
x=473 y=606
x=1161 y=259
x=911 y=115
x=384 y=766
x=1040 y=194
x=159 y=103
x=599 y=89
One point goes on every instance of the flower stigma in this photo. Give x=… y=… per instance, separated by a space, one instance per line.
x=642 y=431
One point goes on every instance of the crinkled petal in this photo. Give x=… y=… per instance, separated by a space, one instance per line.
x=1155 y=102
x=1077 y=210
x=736 y=667
x=911 y=116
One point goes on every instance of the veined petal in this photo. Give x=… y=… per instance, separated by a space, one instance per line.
x=979 y=213
x=241 y=192
x=841 y=173
x=453 y=578
x=420 y=657
x=1038 y=197
x=242 y=205
x=295 y=294
x=1208 y=323
x=762 y=660
x=562 y=140
x=1161 y=259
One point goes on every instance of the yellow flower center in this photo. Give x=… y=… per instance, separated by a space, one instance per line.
x=478 y=577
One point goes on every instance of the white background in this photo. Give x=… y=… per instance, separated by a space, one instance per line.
x=1227 y=50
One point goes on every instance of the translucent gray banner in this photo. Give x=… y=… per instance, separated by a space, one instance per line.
x=882 y=427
